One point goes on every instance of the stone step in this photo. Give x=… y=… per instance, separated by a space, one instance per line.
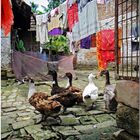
x=128 y=118
x=123 y=135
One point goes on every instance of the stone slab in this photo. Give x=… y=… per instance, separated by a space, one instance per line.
x=5 y=127
x=128 y=118
x=103 y=117
x=21 y=124
x=69 y=120
x=106 y=124
x=84 y=129
x=38 y=134
x=5 y=135
x=66 y=130
x=127 y=92
x=123 y=135
x=87 y=120
x=11 y=109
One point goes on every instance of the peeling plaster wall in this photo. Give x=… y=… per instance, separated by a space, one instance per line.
x=87 y=58
x=5 y=50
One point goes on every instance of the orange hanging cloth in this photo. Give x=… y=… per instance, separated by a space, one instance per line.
x=6 y=16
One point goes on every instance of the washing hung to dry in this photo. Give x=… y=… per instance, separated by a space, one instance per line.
x=105 y=42
x=87 y=23
x=41 y=28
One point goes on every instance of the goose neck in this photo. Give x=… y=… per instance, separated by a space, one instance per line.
x=55 y=82
x=107 y=79
x=90 y=81
x=32 y=89
x=69 y=83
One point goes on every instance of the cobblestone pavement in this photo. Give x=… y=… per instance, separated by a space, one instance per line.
x=20 y=121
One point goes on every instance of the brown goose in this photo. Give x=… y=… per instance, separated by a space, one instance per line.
x=56 y=89
x=73 y=89
x=41 y=102
x=69 y=86
x=61 y=94
x=109 y=93
x=66 y=99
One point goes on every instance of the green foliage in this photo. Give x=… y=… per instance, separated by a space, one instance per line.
x=20 y=46
x=34 y=7
x=58 y=44
x=53 y=4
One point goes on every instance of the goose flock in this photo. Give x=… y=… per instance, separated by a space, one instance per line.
x=63 y=97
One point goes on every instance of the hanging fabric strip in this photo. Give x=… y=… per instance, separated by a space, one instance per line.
x=6 y=16
x=72 y=15
x=86 y=43
x=41 y=28
x=56 y=31
x=105 y=42
x=88 y=20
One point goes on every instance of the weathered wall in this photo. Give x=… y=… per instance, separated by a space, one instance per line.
x=5 y=50
x=87 y=58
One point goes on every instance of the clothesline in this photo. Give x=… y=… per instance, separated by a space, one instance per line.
x=81 y=19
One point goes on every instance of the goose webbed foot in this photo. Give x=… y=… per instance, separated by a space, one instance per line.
x=63 y=110
x=92 y=107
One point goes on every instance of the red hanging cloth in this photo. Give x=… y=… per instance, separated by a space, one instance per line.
x=105 y=41
x=6 y=16
x=72 y=13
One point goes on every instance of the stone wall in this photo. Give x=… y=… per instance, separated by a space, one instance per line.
x=5 y=50
x=127 y=115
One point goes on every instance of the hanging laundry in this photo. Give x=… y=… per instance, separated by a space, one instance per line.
x=86 y=43
x=6 y=16
x=105 y=42
x=72 y=15
x=101 y=1
x=71 y=2
x=135 y=37
x=41 y=28
x=93 y=41
x=62 y=9
x=56 y=31
x=76 y=32
x=71 y=44
x=54 y=12
x=54 y=23
x=82 y=4
x=88 y=18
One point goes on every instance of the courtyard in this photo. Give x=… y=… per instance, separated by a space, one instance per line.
x=21 y=121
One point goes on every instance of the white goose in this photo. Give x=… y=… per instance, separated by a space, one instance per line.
x=90 y=93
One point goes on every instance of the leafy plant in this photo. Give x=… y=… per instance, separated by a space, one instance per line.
x=20 y=46
x=58 y=44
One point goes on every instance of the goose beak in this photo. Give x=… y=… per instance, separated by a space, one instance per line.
x=96 y=76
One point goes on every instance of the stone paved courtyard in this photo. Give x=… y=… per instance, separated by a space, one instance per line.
x=20 y=121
